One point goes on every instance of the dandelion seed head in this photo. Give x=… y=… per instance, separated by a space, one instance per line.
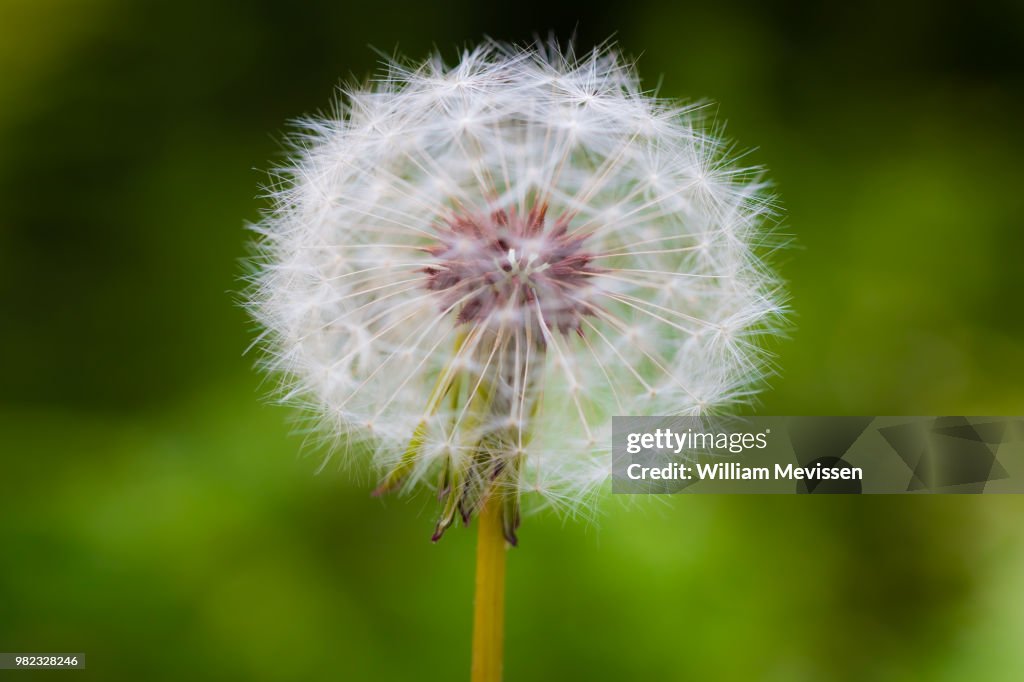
x=473 y=266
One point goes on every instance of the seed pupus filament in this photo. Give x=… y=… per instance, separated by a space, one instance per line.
x=514 y=280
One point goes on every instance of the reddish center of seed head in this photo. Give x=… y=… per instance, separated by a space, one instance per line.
x=508 y=268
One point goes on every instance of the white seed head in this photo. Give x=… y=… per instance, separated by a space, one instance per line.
x=473 y=267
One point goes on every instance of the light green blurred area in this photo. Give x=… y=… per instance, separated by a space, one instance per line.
x=157 y=515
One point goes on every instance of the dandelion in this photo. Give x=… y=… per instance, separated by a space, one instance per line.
x=471 y=268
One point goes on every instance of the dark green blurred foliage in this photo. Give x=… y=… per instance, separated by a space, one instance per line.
x=153 y=511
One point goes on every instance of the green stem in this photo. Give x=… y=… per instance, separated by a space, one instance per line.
x=489 y=605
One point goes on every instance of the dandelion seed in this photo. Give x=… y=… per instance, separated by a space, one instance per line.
x=473 y=267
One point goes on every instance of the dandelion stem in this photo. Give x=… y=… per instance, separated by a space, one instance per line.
x=489 y=606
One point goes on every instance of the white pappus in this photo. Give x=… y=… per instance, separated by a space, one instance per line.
x=471 y=268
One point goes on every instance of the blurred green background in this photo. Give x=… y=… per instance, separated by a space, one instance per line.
x=155 y=512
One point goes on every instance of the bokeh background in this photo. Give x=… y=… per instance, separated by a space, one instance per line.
x=155 y=512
